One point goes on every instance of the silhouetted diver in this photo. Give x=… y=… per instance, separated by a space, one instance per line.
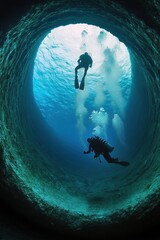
x=100 y=146
x=85 y=61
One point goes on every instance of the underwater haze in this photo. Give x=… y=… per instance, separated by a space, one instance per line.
x=99 y=109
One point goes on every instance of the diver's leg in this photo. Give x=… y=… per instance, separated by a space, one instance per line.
x=76 y=69
x=109 y=159
x=76 y=83
x=85 y=72
x=83 y=82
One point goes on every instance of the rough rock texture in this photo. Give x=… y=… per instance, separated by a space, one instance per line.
x=30 y=184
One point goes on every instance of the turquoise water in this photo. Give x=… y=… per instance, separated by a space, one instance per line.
x=74 y=115
x=120 y=103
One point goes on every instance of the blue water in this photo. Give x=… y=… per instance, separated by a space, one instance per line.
x=52 y=173
x=74 y=115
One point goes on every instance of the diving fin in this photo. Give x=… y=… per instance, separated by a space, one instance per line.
x=123 y=163
x=82 y=84
x=76 y=83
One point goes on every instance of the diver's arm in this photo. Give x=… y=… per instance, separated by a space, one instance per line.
x=91 y=62
x=79 y=60
x=89 y=150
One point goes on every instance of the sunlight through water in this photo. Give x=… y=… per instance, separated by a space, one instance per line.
x=99 y=109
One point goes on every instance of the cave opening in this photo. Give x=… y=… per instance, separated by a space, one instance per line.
x=34 y=166
x=100 y=108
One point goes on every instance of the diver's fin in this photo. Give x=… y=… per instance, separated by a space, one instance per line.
x=82 y=84
x=76 y=83
x=115 y=160
x=123 y=163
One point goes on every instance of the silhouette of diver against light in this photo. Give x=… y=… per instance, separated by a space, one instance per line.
x=85 y=61
x=100 y=146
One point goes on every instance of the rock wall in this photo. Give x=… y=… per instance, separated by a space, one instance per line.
x=26 y=177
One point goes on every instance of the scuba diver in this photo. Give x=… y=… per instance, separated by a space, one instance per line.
x=85 y=61
x=100 y=146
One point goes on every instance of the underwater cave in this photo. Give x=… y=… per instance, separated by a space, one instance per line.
x=45 y=121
